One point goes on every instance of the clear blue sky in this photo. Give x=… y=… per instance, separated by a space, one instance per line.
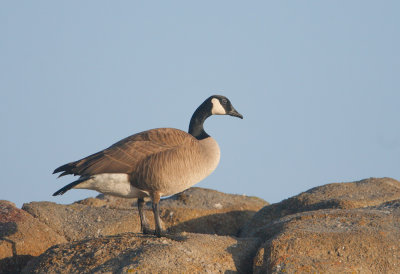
x=318 y=83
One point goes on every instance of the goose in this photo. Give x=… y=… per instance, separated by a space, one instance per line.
x=154 y=163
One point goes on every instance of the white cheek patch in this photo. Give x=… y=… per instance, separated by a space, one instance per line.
x=217 y=108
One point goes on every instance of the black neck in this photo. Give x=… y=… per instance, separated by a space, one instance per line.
x=196 y=122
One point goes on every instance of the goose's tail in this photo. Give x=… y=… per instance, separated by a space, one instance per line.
x=71 y=185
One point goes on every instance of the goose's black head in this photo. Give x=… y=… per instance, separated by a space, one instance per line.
x=220 y=105
x=213 y=105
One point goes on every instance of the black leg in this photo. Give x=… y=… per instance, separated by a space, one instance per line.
x=156 y=211
x=156 y=199
x=144 y=226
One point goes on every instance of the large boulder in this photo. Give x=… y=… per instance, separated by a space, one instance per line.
x=332 y=241
x=208 y=211
x=22 y=237
x=77 y=221
x=136 y=253
x=364 y=193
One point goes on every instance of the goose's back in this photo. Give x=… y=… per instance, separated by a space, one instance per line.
x=125 y=155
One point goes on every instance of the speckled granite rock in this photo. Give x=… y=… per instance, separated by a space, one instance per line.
x=335 y=228
x=76 y=221
x=194 y=210
x=135 y=253
x=368 y=192
x=332 y=241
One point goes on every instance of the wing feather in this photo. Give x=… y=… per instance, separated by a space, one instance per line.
x=123 y=156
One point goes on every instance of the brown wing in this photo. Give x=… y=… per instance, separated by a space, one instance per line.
x=123 y=156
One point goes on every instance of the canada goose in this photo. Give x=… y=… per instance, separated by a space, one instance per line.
x=153 y=163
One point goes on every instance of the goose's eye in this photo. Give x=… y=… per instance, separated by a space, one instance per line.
x=224 y=101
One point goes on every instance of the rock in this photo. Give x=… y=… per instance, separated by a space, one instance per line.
x=335 y=228
x=22 y=237
x=134 y=253
x=364 y=193
x=332 y=241
x=208 y=199
x=208 y=211
x=194 y=197
x=109 y=201
x=194 y=210
x=77 y=221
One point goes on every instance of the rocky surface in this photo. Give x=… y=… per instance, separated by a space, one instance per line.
x=76 y=221
x=208 y=211
x=194 y=210
x=332 y=241
x=22 y=237
x=136 y=253
x=334 y=228
x=192 y=198
x=364 y=193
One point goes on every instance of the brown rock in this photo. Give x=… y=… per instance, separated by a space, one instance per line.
x=77 y=221
x=22 y=237
x=203 y=198
x=194 y=210
x=208 y=211
x=194 y=197
x=368 y=192
x=332 y=241
x=135 y=253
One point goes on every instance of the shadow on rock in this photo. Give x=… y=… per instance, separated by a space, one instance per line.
x=242 y=254
x=222 y=224
x=15 y=263
x=8 y=229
